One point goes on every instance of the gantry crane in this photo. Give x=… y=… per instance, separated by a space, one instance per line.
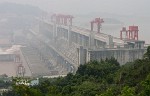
x=131 y=33
x=97 y=21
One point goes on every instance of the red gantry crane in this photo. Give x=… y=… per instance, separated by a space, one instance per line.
x=131 y=34
x=124 y=30
x=99 y=22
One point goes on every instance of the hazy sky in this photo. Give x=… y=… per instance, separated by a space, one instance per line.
x=138 y=7
x=120 y=7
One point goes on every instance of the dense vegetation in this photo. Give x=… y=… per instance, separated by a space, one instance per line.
x=105 y=78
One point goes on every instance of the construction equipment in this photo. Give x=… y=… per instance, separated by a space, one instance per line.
x=124 y=30
x=133 y=32
x=99 y=22
x=130 y=34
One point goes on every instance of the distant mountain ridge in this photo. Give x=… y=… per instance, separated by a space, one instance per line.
x=20 y=9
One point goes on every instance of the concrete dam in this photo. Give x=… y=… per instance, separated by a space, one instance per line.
x=62 y=47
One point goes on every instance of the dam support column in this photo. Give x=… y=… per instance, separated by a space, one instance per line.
x=82 y=55
x=77 y=38
x=87 y=56
x=69 y=35
x=111 y=44
x=55 y=32
x=91 y=41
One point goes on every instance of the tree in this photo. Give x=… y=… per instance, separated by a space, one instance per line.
x=146 y=87
x=147 y=54
x=107 y=93
x=127 y=91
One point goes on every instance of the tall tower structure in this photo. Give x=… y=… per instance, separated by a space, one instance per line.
x=130 y=34
x=20 y=70
x=124 y=33
x=133 y=32
x=98 y=22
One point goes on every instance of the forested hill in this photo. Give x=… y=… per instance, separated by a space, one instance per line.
x=19 y=9
x=105 y=78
